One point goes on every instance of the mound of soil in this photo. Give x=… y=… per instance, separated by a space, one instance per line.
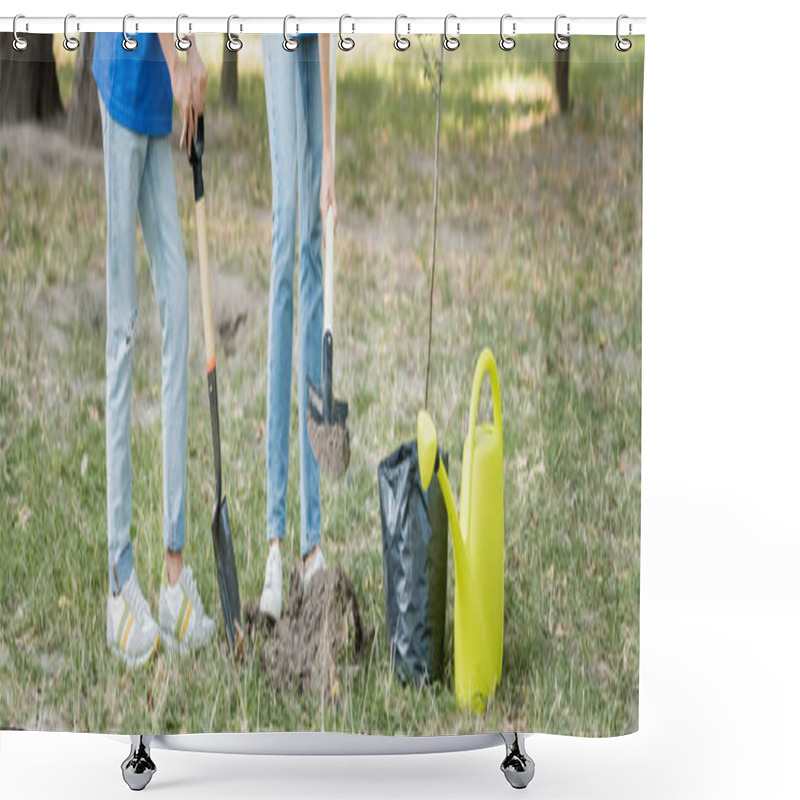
x=319 y=635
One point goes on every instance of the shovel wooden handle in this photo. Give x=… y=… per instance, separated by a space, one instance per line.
x=328 y=300
x=196 y=160
x=327 y=314
x=205 y=285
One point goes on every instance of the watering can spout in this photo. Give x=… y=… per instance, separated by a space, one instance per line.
x=427 y=448
x=430 y=463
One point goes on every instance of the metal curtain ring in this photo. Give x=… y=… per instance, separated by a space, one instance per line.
x=561 y=42
x=234 y=43
x=128 y=42
x=19 y=43
x=346 y=43
x=401 y=43
x=507 y=42
x=290 y=44
x=451 y=42
x=70 y=42
x=623 y=45
x=181 y=41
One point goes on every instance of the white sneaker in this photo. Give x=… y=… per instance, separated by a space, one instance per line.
x=131 y=631
x=184 y=624
x=317 y=565
x=272 y=593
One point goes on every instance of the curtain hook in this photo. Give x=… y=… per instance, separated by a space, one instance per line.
x=623 y=45
x=234 y=43
x=128 y=42
x=181 y=41
x=346 y=43
x=401 y=43
x=561 y=42
x=70 y=42
x=290 y=44
x=507 y=42
x=451 y=42
x=19 y=43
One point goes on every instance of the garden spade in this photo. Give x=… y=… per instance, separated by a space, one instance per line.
x=220 y=524
x=326 y=417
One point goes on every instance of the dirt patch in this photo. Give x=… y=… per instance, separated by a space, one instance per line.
x=318 y=638
x=234 y=305
x=46 y=329
x=55 y=309
x=46 y=149
x=56 y=316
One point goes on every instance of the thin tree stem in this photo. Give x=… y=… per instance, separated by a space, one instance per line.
x=435 y=216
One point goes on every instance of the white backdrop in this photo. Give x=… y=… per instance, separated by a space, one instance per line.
x=720 y=547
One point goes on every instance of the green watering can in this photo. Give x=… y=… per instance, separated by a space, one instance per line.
x=478 y=542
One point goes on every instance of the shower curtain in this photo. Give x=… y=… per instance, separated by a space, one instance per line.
x=482 y=200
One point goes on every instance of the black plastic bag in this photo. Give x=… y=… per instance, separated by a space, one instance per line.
x=414 y=525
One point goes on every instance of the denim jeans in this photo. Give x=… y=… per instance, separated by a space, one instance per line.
x=139 y=177
x=294 y=113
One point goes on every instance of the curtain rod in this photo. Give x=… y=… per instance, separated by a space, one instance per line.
x=457 y=26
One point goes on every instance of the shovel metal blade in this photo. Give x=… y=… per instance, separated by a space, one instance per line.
x=227 y=577
x=329 y=438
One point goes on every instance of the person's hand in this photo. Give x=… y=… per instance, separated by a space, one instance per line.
x=199 y=75
x=183 y=92
x=327 y=193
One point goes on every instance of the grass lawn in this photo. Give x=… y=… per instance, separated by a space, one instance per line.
x=539 y=258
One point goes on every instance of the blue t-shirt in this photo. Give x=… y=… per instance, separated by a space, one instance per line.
x=134 y=84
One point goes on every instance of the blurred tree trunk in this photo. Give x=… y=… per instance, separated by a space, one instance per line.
x=28 y=80
x=229 y=83
x=83 y=114
x=561 y=64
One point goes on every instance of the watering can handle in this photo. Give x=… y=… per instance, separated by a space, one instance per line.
x=486 y=363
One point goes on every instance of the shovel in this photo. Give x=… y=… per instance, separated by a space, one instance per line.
x=220 y=525
x=326 y=417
